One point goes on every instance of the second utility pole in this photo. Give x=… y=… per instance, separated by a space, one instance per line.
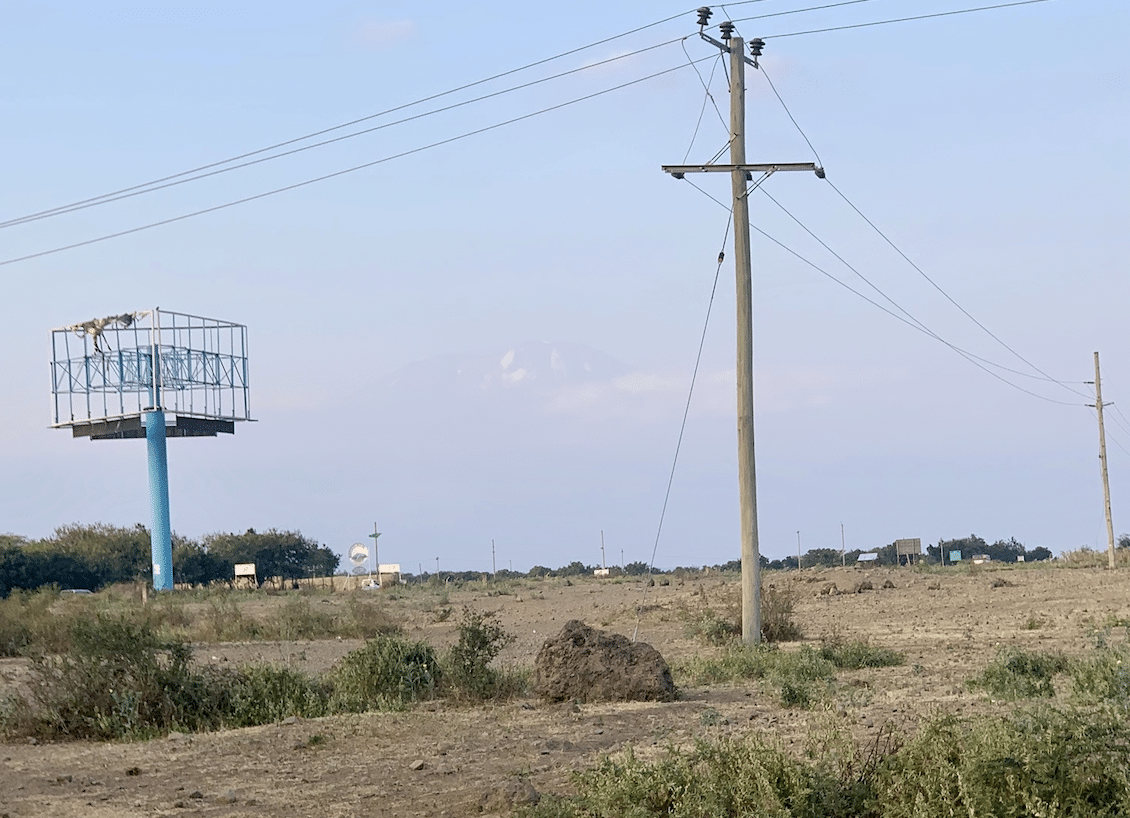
x=1102 y=461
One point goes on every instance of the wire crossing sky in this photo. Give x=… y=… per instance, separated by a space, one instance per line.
x=475 y=302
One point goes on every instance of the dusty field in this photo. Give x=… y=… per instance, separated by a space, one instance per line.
x=948 y=625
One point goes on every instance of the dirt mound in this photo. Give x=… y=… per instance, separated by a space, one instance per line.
x=592 y=665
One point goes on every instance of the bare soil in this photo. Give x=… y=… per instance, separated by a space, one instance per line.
x=442 y=760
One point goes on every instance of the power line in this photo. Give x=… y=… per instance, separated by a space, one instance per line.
x=911 y=322
x=191 y=176
x=385 y=112
x=338 y=173
x=687 y=407
x=973 y=359
x=896 y=20
x=907 y=259
x=947 y=296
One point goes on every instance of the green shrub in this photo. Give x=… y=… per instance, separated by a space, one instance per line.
x=1021 y=674
x=858 y=654
x=777 y=623
x=1043 y=761
x=468 y=674
x=1103 y=675
x=1036 y=762
x=721 y=627
x=387 y=674
x=795 y=674
x=118 y=679
x=262 y=694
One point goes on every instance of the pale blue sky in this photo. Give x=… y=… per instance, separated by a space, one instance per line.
x=990 y=147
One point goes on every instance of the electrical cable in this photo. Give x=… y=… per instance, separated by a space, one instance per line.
x=947 y=296
x=708 y=97
x=338 y=173
x=368 y=117
x=907 y=259
x=910 y=323
x=686 y=414
x=903 y=311
x=897 y=20
x=141 y=190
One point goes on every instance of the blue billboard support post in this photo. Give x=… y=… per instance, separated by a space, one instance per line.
x=161 y=536
x=154 y=374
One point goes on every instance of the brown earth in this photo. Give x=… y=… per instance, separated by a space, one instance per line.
x=446 y=760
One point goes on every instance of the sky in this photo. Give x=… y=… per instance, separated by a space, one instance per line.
x=390 y=309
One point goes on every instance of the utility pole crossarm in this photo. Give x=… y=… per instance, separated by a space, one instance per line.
x=678 y=171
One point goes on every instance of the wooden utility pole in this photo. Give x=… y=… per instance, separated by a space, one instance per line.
x=747 y=477
x=740 y=177
x=1102 y=462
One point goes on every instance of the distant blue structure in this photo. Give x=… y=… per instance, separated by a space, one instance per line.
x=153 y=374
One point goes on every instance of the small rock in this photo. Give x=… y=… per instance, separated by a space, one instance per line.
x=290 y=720
x=516 y=792
x=197 y=794
x=417 y=765
x=888 y=584
x=133 y=771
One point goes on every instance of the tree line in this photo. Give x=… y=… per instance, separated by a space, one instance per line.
x=95 y=556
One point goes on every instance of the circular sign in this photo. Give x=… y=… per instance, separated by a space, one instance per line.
x=358 y=553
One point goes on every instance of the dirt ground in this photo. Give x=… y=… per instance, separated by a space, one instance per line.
x=440 y=760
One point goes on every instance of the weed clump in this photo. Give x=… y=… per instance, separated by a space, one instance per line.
x=468 y=672
x=858 y=654
x=387 y=674
x=1038 y=761
x=1021 y=674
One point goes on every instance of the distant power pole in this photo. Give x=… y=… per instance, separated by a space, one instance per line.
x=603 y=564
x=740 y=176
x=1102 y=461
x=798 y=550
x=493 y=566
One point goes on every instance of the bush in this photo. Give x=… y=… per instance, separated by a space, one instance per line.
x=387 y=674
x=777 y=623
x=1020 y=674
x=117 y=680
x=1104 y=675
x=1041 y=761
x=858 y=654
x=468 y=673
x=793 y=673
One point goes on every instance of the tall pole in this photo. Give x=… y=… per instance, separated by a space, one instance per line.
x=157 y=457
x=798 y=550
x=1102 y=461
x=493 y=565
x=603 y=564
x=747 y=482
x=843 y=547
x=739 y=176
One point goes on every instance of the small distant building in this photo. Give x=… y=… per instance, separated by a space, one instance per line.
x=908 y=550
x=867 y=559
x=600 y=572
x=981 y=558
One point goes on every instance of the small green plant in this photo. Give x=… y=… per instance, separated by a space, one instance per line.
x=387 y=674
x=777 y=622
x=858 y=654
x=1103 y=675
x=800 y=677
x=1021 y=674
x=468 y=672
x=1037 y=761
